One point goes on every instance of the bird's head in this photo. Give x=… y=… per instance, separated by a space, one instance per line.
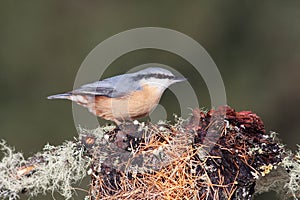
x=158 y=77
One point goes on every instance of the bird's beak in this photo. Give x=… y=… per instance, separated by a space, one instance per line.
x=179 y=79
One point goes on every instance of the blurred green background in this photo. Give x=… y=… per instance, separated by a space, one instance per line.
x=255 y=45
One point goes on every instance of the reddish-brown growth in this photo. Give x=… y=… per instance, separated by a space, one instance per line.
x=214 y=155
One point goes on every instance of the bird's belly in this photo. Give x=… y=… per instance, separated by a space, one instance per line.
x=138 y=104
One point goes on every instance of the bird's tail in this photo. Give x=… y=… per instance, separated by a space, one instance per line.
x=60 y=96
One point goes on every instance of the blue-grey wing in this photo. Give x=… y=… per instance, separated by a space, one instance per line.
x=117 y=86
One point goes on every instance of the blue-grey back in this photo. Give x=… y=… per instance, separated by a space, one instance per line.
x=113 y=87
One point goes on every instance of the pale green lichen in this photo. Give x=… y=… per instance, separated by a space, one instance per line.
x=292 y=165
x=9 y=186
x=56 y=170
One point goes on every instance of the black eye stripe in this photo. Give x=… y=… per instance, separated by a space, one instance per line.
x=147 y=76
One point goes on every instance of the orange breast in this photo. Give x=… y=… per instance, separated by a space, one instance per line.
x=138 y=104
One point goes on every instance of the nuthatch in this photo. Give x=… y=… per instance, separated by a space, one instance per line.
x=123 y=97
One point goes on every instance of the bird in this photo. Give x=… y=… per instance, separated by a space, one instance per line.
x=124 y=97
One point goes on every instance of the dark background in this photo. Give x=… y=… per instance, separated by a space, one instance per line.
x=256 y=47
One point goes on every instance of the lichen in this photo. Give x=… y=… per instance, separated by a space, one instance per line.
x=292 y=166
x=55 y=169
